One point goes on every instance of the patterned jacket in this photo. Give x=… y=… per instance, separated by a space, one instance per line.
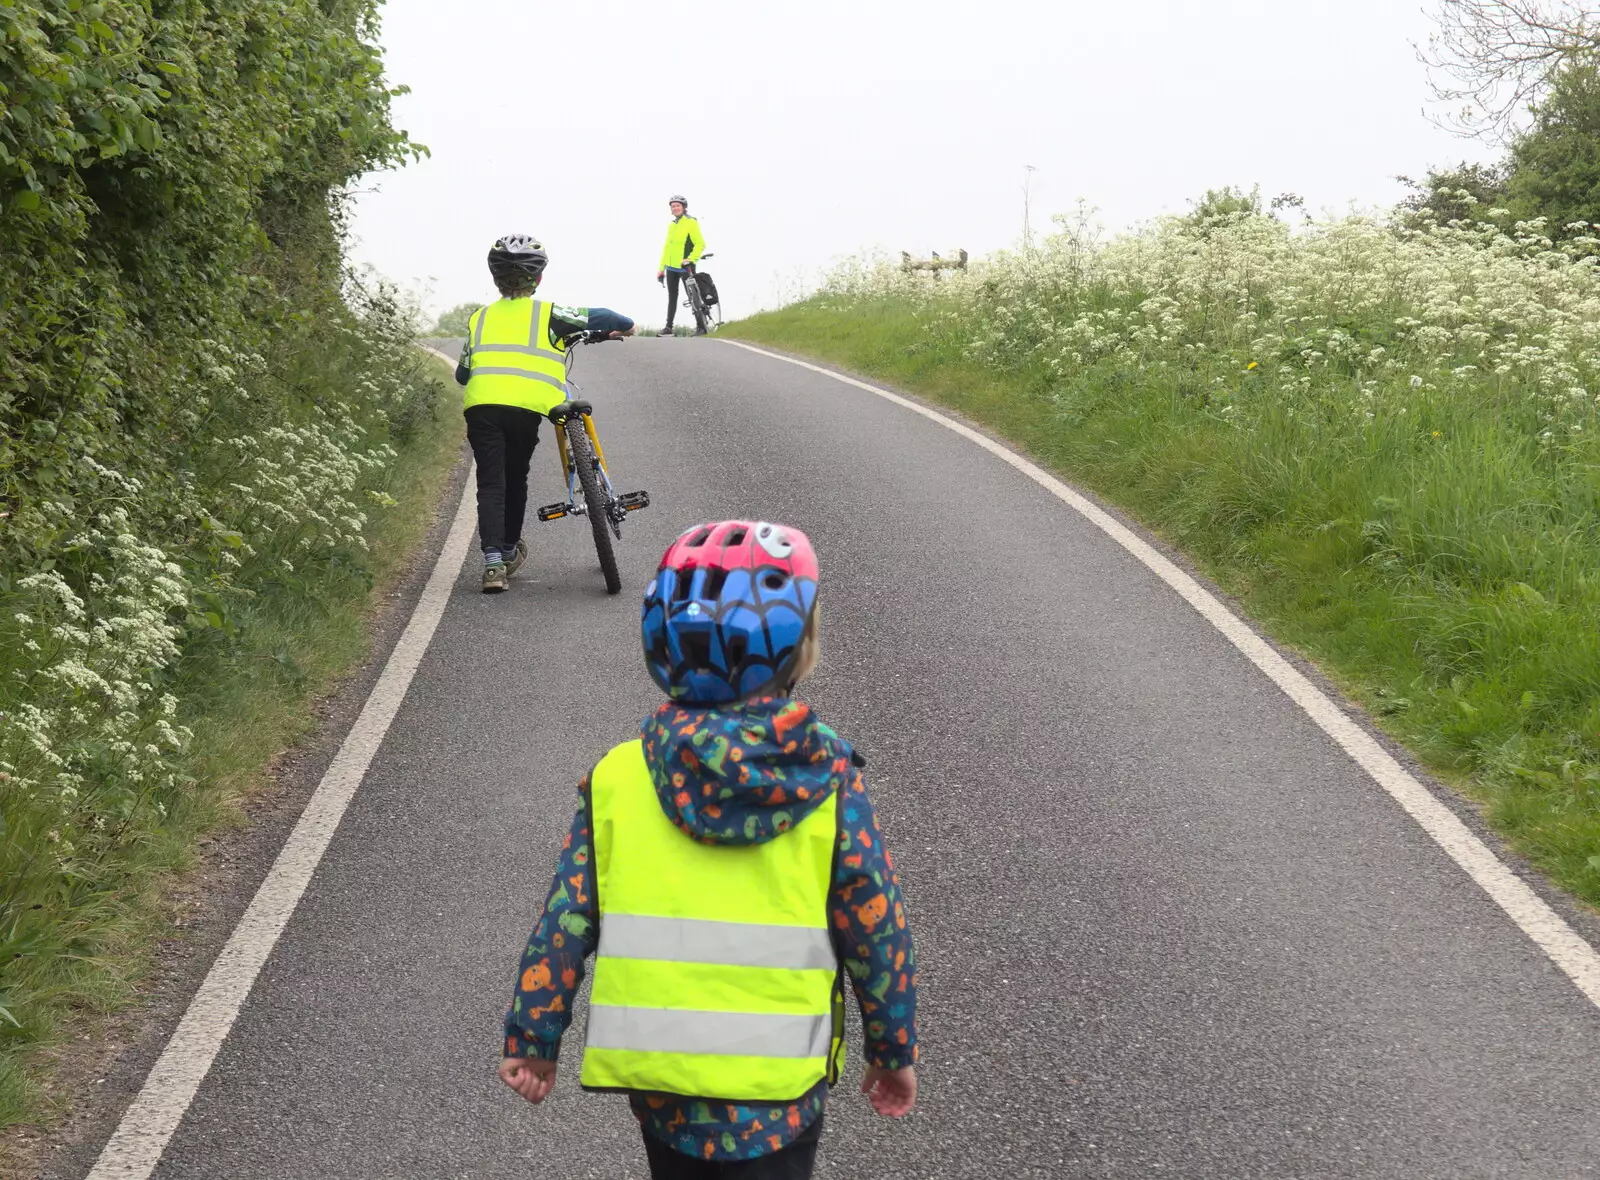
x=729 y=776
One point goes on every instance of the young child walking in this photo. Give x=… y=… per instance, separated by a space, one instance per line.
x=727 y=872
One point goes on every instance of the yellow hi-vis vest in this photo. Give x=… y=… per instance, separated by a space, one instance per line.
x=715 y=975
x=511 y=362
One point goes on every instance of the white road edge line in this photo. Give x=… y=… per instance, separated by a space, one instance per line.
x=1565 y=947
x=140 y=1138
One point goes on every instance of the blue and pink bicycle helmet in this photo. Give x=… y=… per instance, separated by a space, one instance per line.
x=726 y=613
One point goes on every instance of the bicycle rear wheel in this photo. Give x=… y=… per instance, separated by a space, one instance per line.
x=595 y=501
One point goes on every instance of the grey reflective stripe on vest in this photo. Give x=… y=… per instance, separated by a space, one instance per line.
x=677 y=1030
x=526 y=350
x=531 y=348
x=491 y=371
x=534 y=343
x=735 y=944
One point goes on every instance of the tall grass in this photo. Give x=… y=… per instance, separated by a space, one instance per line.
x=1383 y=440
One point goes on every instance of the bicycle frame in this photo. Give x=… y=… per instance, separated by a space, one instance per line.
x=582 y=460
x=691 y=296
x=570 y=468
x=618 y=506
x=690 y=284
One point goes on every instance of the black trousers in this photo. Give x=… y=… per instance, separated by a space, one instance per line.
x=673 y=277
x=503 y=439
x=792 y=1163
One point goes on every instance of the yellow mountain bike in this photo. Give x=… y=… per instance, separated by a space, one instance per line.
x=583 y=463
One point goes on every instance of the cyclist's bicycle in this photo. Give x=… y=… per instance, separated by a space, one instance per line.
x=697 y=298
x=583 y=463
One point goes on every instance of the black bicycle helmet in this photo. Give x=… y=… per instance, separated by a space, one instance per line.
x=517 y=256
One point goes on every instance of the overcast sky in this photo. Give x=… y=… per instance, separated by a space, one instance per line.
x=803 y=133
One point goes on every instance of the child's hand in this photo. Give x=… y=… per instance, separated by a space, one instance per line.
x=892 y=1092
x=533 y=1078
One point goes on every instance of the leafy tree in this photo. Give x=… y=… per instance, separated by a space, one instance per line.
x=1227 y=201
x=1464 y=193
x=171 y=192
x=1555 y=165
x=1226 y=205
x=454 y=321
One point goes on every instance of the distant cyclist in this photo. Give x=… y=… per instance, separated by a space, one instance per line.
x=513 y=365
x=685 y=245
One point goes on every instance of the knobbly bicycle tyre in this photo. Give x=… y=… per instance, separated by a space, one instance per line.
x=594 y=500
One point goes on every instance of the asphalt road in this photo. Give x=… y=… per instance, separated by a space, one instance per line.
x=1165 y=926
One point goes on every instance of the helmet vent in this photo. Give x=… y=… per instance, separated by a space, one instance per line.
x=736 y=647
x=699 y=538
x=736 y=537
x=774 y=580
x=696 y=647
x=680 y=586
x=714 y=580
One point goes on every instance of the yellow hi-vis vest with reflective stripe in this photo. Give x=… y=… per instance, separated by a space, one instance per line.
x=511 y=362
x=715 y=975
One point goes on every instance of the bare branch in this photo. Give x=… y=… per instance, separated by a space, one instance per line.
x=1491 y=59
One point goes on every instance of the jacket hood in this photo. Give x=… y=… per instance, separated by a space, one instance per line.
x=745 y=773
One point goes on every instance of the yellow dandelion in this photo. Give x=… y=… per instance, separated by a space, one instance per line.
x=1250 y=366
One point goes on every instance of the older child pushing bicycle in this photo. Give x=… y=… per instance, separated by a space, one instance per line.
x=514 y=368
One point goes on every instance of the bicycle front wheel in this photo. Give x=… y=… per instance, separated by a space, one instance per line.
x=595 y=501
x=697 y=303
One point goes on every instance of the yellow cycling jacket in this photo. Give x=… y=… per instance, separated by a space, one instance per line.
x=685 y=243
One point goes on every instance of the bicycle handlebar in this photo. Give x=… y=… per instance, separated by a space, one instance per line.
x=587 y=336
x=590 y=336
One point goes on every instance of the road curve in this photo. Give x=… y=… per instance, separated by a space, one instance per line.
x=1165 y=926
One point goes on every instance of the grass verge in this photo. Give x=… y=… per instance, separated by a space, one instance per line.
x=248 y=698
x=1438 y=564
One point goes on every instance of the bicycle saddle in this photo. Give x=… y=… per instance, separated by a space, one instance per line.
x=566 y=409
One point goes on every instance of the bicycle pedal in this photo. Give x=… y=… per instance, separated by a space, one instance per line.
x=633 y=501
x=553 y=511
